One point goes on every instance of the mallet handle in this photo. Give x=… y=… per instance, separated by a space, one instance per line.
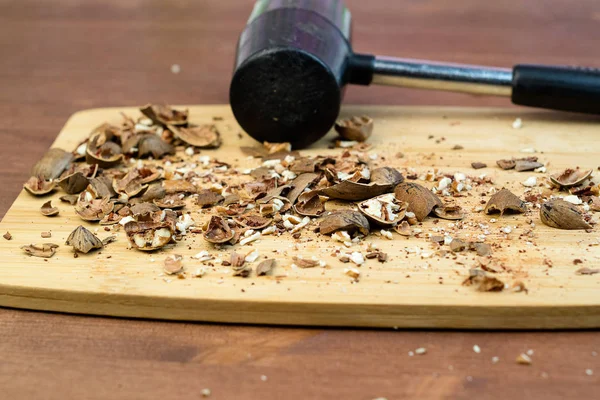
x=553 y=87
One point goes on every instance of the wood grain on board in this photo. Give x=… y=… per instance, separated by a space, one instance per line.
x=66 y=55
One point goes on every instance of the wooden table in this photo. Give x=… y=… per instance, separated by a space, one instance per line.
x=62 y=56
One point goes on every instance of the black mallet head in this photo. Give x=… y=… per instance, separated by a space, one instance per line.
x=290 y=70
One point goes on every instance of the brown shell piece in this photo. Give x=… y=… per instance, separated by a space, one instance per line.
x=482 y=282
x=39 y=187
x=356 y=128
x=300 y=183
x=92 y=209
x=527 y=165
x=384 y=210
x=143 y=209
x=253 y=221
x=130 y=185
x=45 y=250
x=449 y=212
x=154 y=192
x=101 y=149
x=202 y=136
x=344 y=220
x=74 y=183
x=52 y=164
x=208 y=198
x=48 y=210
x=403 y=229
x=149 y=174
x=218 y=231
x=305 y=263
x=421 y=201
x=570 y=177
x=506 y=164
x=153 y=145
x=265 y=267
x=505 y=200
x=69 y=198
x=311 y=204
x=179 y=186
x=561 y=214
x=101 y=187
x=171 y=201
x=165 y=115
x=83 y=241
x=148 y=236
x=387 y=176
x=353 y=191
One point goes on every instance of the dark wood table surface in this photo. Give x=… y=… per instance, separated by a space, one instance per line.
x=65 y=55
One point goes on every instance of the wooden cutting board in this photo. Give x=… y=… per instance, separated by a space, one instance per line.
x=412 y=290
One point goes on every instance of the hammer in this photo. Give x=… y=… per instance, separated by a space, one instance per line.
x=294 y=59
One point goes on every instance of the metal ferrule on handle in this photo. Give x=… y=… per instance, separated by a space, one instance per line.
x=440 y=76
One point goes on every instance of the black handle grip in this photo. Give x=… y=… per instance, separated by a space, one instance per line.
x=557 y=88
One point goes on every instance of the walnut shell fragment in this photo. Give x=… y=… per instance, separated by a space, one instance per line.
x=83 y=240
x=74 y=183
x=561 y=214
x=91 y=209
x=130 y=185
x=39 y=187
x=387 y=176
x=311 y=204
x=171 y=201
x=570 y=177
x=506 y=164
x=208 y=198
x=505 y=200
x=300 y=183
x=52 y=164
x=101 y=149
x=587 y=271
x=45 y=250
x=357 y=129
x=218 y=231
x=449 y=212
x=203 y=136
x=524 y=165
x=69 y=198
x=179 y=186
x=421 y=201
x=173 y=264
x=165 y=115
x=153 y=145
x=384 y=210
x=354 y=191
x=345 y=220
x=482 y=282
x=265 y=267
x=253 y=221
x=48 y=210
x=154 y=192
x=403 y=229
x=305 y=263
x=148 y=236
